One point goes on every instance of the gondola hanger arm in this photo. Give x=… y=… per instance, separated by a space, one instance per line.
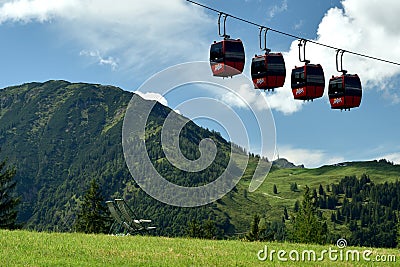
x=302 y=43
x=339 y=61
x=223 y=34
x=264 y=47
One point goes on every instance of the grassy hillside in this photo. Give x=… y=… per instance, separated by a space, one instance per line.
x=270 y=206
x=21 y=248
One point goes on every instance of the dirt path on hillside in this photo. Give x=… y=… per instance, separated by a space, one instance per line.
x=273 y=196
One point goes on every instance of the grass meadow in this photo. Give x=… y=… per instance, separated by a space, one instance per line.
x=23 y=248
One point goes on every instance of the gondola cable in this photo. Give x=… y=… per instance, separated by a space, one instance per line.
x=293 y=36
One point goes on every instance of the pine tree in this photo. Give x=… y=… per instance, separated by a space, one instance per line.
x=307 y=225
x=294 y=187
x=275 y=189
x=296 y=206
x=328 y=188
x=8 y=202
x=245 y=193
x=285 y=214
x=333 y=217
x=321 y=191
x=315 y=194
x=398 y=234
x=93 y=216
x=254 y=233
x=195 y=230
x=210 y=230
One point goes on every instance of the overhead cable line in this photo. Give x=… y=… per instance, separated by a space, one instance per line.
x=292 y=35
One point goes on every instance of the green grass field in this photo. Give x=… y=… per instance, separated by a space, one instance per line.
x=23 y=248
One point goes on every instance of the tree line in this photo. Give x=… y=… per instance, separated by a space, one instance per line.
x=8 y=199
x=370 y=213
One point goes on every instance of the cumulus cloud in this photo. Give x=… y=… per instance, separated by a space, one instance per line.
x=394 y=157
x=153 y=96
x=361 y=27
x=282 y=100
x=367 y=27
x=141 y=34
x=311 y=158
x=245 y=95
x=146 y=36
x=156 y=97
x=35 y=10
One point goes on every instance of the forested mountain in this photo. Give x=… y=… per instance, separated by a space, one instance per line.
x=61 y=135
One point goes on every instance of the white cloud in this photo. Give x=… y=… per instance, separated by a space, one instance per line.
x=278 y=9
x=153 y=96
x=245 y=95
x=148 y=34
x=367 y=28
x=99 y=58
x=156 y=97
x=313 y=158
x=299 y=24
x=309 y=157
x=34 y=10
x=395 y=157
x=281 y=99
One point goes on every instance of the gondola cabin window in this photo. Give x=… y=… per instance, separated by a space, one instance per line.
x=268 y=71
x=345 y=91
x=227 y=58
x=308 y=82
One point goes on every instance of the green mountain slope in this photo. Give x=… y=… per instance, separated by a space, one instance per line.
x=61 y=135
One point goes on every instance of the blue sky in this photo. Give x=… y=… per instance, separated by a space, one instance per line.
x=125 y=42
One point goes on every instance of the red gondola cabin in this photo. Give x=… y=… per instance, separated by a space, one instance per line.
x=308 y=82
x=227 y=58
x=345 y=91
x=268 y=71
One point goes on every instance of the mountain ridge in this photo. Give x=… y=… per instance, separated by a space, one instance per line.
x=283 y=163
x=60 y=135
